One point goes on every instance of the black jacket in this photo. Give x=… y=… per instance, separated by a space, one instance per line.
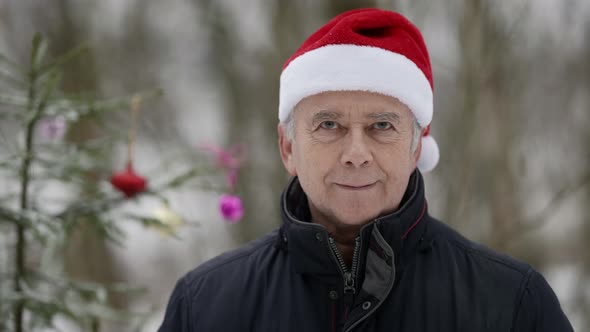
x=412 y=273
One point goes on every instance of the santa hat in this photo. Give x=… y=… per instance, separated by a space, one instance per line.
x=365 y=50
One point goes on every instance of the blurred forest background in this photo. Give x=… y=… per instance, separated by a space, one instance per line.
x=512 y=102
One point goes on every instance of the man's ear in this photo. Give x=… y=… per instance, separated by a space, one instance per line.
x=418 y=151
x=286 y=149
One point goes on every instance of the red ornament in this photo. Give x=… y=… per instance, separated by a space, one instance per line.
x=128 y=182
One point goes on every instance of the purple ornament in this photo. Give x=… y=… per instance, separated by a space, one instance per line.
x=231 y=208
x=52 y=128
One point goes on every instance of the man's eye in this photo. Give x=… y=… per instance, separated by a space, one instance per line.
x=382 y=125
x=329 y=125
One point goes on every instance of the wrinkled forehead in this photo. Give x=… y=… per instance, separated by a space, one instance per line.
x=357 y=105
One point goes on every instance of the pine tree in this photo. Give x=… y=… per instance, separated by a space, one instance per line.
x=34 y=288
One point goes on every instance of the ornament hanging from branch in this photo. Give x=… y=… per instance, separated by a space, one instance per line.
x=128 y=181
x=52 y=128
x=169 y=220
x=230 y=206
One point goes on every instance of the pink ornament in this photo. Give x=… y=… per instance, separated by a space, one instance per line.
x=231 y=158
x=231 y=208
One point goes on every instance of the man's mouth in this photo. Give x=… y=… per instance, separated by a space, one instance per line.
x=356 y=187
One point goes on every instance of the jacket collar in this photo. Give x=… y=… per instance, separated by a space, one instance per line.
x=307 y=243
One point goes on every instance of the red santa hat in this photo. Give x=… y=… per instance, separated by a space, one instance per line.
x=365 y=50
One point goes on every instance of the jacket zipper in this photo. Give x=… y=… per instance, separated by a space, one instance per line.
x=389 y=287
x=349 y=275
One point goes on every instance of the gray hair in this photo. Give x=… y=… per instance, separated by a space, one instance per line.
x=289 y=127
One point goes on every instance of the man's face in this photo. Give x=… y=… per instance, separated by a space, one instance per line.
x=351 y=152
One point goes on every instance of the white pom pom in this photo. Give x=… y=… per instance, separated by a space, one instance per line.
x=429 y=155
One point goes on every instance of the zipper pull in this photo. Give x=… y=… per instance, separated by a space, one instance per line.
x=349 y=283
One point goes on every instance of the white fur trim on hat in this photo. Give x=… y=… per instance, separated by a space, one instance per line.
x=356 y=68
x=429 y=155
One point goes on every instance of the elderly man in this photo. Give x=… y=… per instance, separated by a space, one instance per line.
x=357 y=250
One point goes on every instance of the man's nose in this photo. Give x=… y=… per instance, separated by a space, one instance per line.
x=356 y=152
